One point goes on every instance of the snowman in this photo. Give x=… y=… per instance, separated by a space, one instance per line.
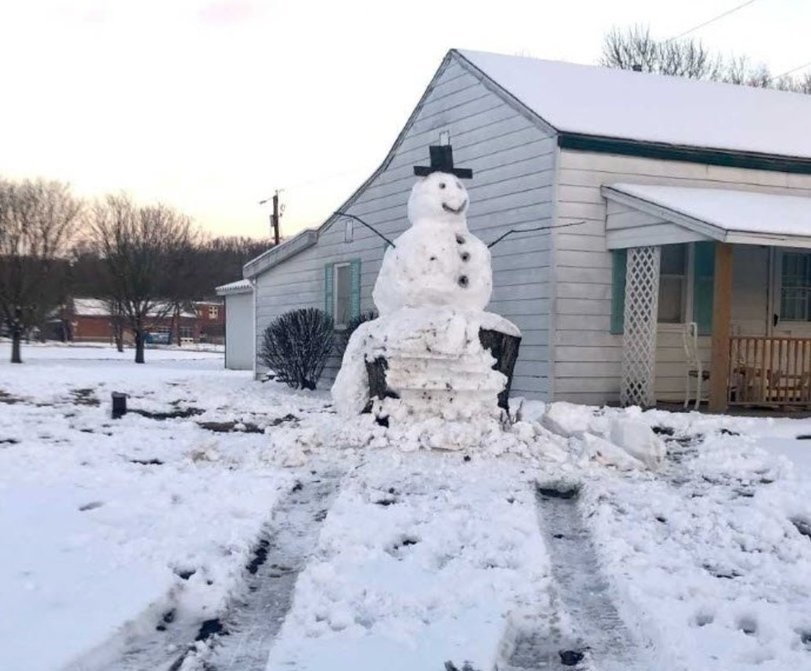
x=431 y=292
x=437 y=261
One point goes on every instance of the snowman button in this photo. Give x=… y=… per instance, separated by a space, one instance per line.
x=460 y=240
x=463 y=281
x=465 y=256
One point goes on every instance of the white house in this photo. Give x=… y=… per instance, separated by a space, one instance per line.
x=670 y=201
x=239 y=324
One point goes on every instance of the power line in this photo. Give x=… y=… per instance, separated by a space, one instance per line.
x=788 y=72
x=713 y=19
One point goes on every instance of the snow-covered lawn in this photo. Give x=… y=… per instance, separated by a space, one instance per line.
x=101 y=520
x=424 y=557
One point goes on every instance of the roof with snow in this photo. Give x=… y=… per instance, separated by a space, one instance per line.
x=97 y=307
x=728 y=215
x=90 y=307
x=238 y=287
x=595 y=108
x=607 y=102
x=278 y=253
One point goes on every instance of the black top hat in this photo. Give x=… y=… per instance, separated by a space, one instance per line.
x=442 y=161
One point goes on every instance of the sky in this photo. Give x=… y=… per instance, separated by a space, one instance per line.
x=211 y=105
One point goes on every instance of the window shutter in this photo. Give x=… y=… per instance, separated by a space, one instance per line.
x=329 y=279
x=619 y=263
x=354 y=301
x=703 y=281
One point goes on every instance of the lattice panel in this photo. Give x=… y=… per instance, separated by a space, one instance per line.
x=639 y=339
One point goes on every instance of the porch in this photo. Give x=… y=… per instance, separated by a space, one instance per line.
x=737 y=266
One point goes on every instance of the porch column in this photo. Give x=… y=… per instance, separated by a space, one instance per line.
x=721 y=320
x=639 y=334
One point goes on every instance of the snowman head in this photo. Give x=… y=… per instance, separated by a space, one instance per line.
x=439 y=197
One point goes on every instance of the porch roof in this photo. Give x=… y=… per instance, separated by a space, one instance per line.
x=646 y=214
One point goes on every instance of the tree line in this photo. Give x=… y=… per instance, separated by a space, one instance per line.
x=634 y=48
x=146 y=262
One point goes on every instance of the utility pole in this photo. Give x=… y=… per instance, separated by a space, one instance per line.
x=275 y=215
x=274 y=218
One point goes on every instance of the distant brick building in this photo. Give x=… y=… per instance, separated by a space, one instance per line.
x=211 y=320
x=94 y=320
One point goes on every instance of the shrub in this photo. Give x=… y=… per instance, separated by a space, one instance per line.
x=296 y=345
x=343 y=336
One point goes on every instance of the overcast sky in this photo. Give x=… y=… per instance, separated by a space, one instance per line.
x=210 y=105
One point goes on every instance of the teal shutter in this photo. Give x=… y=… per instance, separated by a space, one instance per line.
x=354 y=301
x=618 y=267
x=329 y=292
x=703 y=281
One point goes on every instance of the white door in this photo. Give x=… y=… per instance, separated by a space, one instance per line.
x=751 y=282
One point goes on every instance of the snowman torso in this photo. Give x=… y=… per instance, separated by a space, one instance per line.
x=437 y=261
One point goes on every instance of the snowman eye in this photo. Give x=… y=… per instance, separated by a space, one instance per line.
x=442 y=185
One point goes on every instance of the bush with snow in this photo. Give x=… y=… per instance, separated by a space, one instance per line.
x=296 y=346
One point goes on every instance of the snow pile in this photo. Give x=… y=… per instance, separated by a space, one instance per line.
x=611 y=437
x=437 y=366
x=447 y=551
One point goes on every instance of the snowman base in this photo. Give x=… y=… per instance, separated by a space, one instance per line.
x=431 y=362
x=502 y=346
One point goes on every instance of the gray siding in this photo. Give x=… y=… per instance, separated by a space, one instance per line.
x=586 y=359
x=513 y=162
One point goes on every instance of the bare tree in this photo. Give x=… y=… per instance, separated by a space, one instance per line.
x=38 y=221
x=142 y=249
x=634 y=49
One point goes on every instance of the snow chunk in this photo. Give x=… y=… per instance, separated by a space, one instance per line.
x=638 y=440
x=567 y=419
x=606 y=453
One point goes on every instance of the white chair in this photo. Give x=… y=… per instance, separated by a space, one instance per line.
x=694 y=367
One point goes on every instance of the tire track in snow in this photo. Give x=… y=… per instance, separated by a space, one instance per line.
x=254 y=617
x=602 y=642
x=240 y=639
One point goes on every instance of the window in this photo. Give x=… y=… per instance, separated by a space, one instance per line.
x=795 y=287
x=186 y=332
x=213 y=311
x=686 y=279
x=349 y=230
x=672 y=283
x=342 y=312
x=342 y=291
